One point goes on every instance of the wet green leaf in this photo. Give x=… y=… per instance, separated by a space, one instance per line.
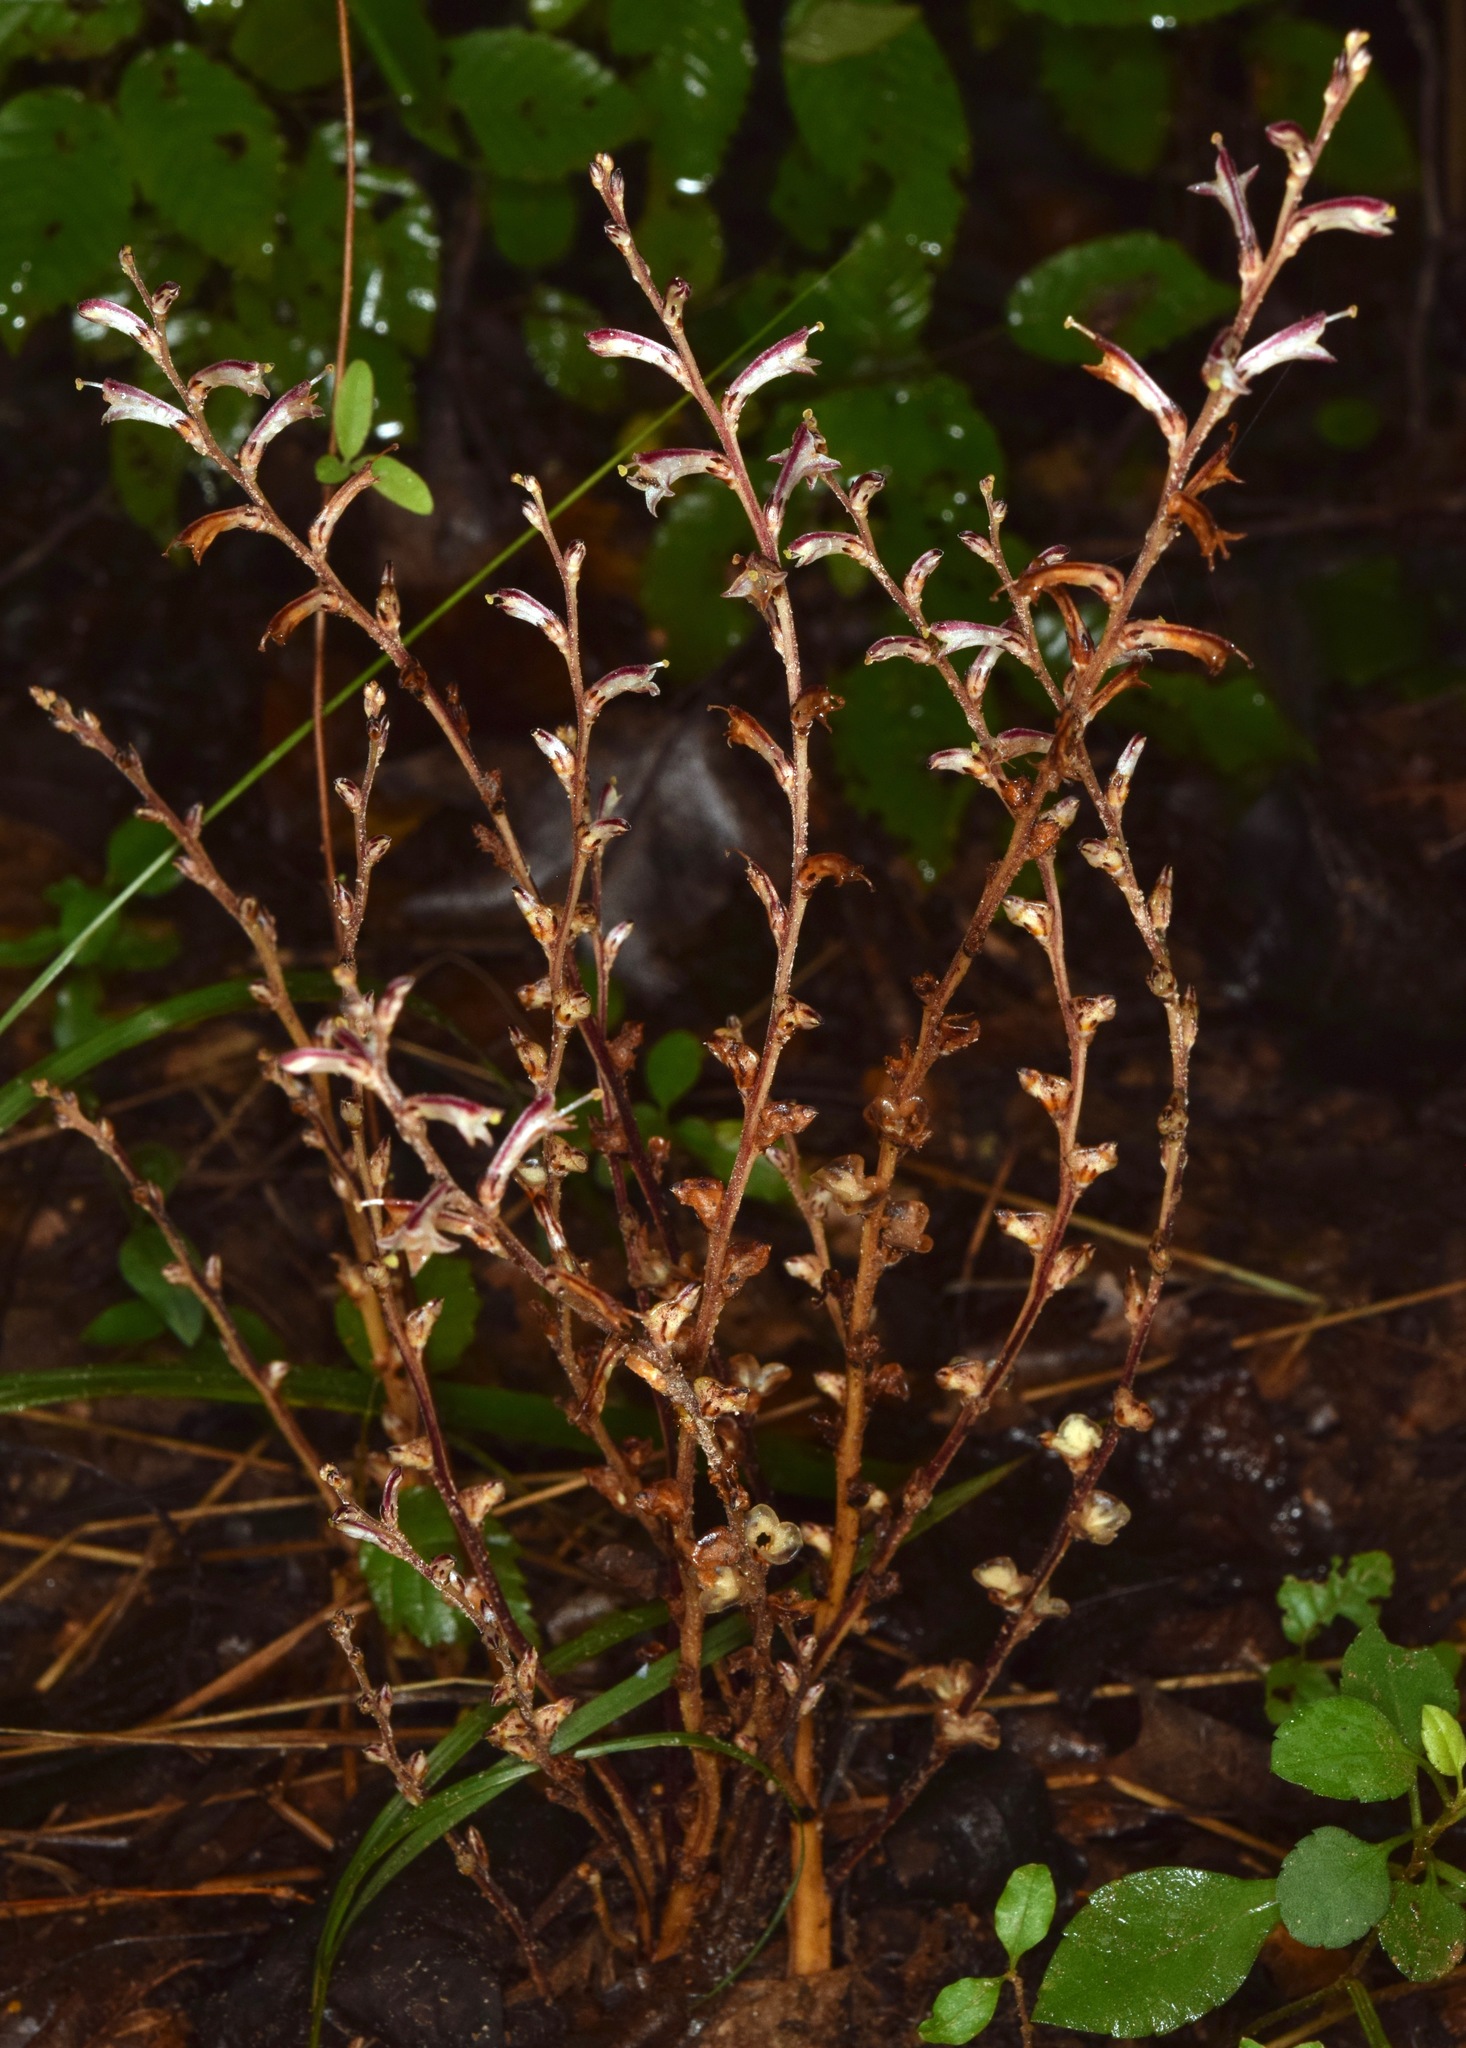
x=1154 y=1950
x=693 y=90
x=126 y=1322
x=1291 y=1683
x=1332 y=1888
x=448 y=1277
x=1140 y=290
x=1353 y=1591
x=830 y=29
x=555 y=328
x=1343 y=1749
x=409 y=54
x=533 y=224
x=962 y=2010
x=402 y=486
x=538 y=107
x=1371 y=150
x=1424 y=1932
x=144 y=1254
x=287 y=46
x=1112 y=91
x=689 y=563
x=205 y=150
x=813 y=206
x=1025 y=1910
x=1398 y=1682
x=66 y=206
x=672 y=1066
x=893 y=105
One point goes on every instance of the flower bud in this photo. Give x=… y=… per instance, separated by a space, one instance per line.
x=1101 y=1518
x=1076 y=1440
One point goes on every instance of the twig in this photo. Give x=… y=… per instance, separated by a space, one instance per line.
x=1251 y=1338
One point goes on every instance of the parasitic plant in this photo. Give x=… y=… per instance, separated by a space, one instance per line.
x=748 y=1689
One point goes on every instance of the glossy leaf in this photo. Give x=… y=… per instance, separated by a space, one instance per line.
x=1445 y=1744
x=1025 y=1910
x=1343 y=1749
x=1332 y=1888
x=409 y=54
x=672 y=1066
x=1399 y=1682
x=1151 y=1951
x=205 y=151
x=449 y=1278
x=827 y=30
x=538 y=107
x=892 y=105
x=1111 y=89
x=1139 y=290
x=287 y=46
x=962 y=2010
x=715 y=1145
x=66 y=205
x=693 y=89
x=126 y=1322
x=352 y=407
x=1291 y=1683
x=1424 y=1932
x=1354 y=1591
x=144 y=1254
x=402 y=1597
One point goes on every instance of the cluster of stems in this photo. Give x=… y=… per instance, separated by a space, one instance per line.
x=684 y=1257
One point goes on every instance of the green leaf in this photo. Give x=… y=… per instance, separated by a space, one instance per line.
x=1154 y=1950
x=688 y=564
x=448 y=1277
x=352 y=408
x=127 y=1322
x=59 y=28
x=67 y=202
x=330 y=469
x=1332 y=1888
x=1445 y=1745
x=681 y=235
x=962 y=2010
x=402 y=1597
x=1371 y=150
x=672 y=1066
x=895 y=717
x=132 y=848
x=1128 y=13
x=1398 y=1682
x=538 y=107
x=554 y=14
x=716 y=1146
x=1112 y=91
x=144 y=1254
x=1291 y=1683
x=1025 y=1911
x=1424 y=1932
x=831 y=29
x=402 y=486
x=408 y=53
x=1234 y=725
x=1343 y=1749
x=534 y=224
x=555 y=328
x=1140 y=290
x=287 y=46
x=1354 y=1590
x=892 y=105
x=205 y=151
x=694 y=88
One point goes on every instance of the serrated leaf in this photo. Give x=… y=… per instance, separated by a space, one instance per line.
x=1424 y=1932
x=400 y=485
x=140 y=1261
x=962 y=2010
x=538 y=107
x=893 y=106
x=1398 y=1682
x=1140 y=290
x=1291 y=1683
x=831 y=29
x=1112 y=91
x=1343 y=1749
x=672 y=1066
x=1445 y=1745
x=287 y=46
x=693 y=90
x=205 y=151
x=1151 y=1951
x=1332 y=1888
x=67 y=199
x=1353 y=1590
x=356 y=397
x=1025 y=1911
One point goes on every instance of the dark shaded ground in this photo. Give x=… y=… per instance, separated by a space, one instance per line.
x=163 y=1896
